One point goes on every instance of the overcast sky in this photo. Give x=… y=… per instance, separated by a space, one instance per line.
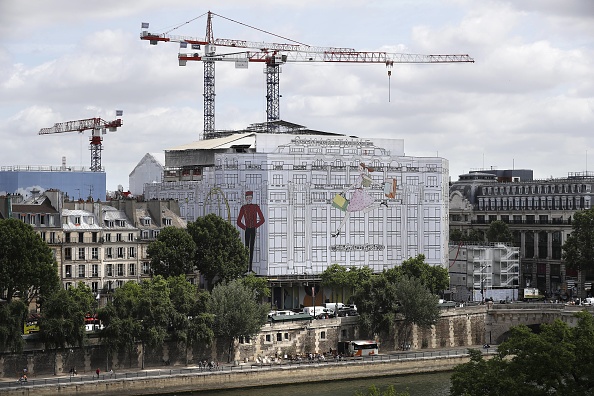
x=526 y=103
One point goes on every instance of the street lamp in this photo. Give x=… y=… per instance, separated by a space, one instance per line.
x=482 y=281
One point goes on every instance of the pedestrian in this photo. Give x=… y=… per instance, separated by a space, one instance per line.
x=97 y=372
x=110 y=373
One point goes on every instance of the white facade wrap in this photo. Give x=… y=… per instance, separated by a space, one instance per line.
x=294 y=182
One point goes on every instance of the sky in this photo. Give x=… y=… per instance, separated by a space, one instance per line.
x=526 y=103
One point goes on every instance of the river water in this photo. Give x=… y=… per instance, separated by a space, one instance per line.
x=433 y=384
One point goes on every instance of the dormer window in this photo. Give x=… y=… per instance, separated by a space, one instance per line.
x=146 y=221
x=76 y=219
x=166 y=221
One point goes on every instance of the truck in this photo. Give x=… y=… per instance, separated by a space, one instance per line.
x=532 y=294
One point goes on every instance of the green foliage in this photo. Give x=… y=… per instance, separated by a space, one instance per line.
x=377 y=305
x=173 y=253
x=417 y=306
x=258 y=285
x=62 y=322
x=28 y=269
x=578 y=249
x=499 y=232
x=12 y=315
x=220 y=253
x=435 y=278
x=236 y=312
x=375 y=391
x=154 y=310
x=557 y=361
x=386 y=299
x=466 y=236
x=190 y=323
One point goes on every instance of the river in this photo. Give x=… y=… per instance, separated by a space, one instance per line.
x=432 y=384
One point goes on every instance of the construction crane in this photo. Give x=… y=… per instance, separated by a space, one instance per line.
x=273 y=55
x=97 y=125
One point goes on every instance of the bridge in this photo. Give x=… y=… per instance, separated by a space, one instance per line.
x=500 y=318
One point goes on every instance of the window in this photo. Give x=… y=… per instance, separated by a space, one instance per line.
x=77 y=220
x=279 y=336
x=120 y=252
x=323 y=335
x=166 y=221
x=81 y=237
x=68 y=273
x=109 y=270
x=95 y=270
x=146 y=268
x=132 y=251
x=95 y=253
x=118 y=237
x=146 y=221
x=68 y=253
x=81 y=253
x=120 y=269
x=119 y=283
x=81 y=271
x=267 y=337
x=108 y=237
x=95 y=287
x=130 y=237
x=108 y=252
x=132 y=269
x=145 y=234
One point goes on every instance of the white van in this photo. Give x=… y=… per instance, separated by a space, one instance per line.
x=317 y=310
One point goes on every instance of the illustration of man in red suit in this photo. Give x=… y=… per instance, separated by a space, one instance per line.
x=250 y=217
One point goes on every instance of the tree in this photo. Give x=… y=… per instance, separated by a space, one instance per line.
x=220 y=253
x=377 y=305
x=558 y=360
x=499 y=232
x=385 y=301
x=578 y=249
x=190 y=323
x=466 y=236
x=236 y=312
x=11 y=325
x=173 y=253
x=434 y=277
x=258 y=285
x=336 y=277
x=121 y=327
x=28 y=269
x=418 y=306
x=62 y=322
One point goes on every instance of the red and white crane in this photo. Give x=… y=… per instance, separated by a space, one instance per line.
x=273 y=55
x=98 y=127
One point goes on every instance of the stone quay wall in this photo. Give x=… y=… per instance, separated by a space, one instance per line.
x=456 y=327
x=245 y=378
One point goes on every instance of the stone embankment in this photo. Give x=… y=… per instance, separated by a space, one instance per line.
x=237 y=377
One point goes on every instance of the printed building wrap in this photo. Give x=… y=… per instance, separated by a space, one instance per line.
x=295 y=179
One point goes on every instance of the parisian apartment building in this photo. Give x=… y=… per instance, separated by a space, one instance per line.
x=102 y=244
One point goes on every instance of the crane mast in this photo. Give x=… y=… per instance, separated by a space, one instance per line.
x=273 y=55
x=98 y=127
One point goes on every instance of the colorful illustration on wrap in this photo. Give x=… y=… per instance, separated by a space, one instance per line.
x=249 y=219
x=360 y=199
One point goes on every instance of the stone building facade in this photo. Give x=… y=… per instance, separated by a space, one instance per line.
x=538 y=213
